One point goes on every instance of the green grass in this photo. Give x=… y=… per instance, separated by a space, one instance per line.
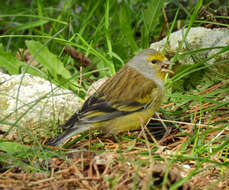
x=109 y=33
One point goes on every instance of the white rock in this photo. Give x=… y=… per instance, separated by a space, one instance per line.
x=197 y=38
x=34 y=105
x=95 y=86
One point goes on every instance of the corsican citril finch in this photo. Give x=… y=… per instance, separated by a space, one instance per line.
x=125 y=101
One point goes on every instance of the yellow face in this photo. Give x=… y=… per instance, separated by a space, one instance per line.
x=156 y=58
x=159 y=62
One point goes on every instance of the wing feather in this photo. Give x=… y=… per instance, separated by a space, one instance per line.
x=118 y=96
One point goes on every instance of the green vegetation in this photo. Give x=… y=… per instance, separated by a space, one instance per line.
x=105 y=35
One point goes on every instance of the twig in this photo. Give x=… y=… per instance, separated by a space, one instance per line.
x=40 y=181
x=183 y=123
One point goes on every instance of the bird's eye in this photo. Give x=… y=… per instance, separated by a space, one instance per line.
x=154 y=61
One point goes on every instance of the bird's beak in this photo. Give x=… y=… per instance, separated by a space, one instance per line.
x=165 y=67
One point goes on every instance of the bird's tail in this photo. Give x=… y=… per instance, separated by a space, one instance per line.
x=67 y=134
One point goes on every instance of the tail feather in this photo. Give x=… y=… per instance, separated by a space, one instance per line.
x=67 y=134
x=73 y=119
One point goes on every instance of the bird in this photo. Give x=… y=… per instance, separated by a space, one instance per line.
x=124 y=102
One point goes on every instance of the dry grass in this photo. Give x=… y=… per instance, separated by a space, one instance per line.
x=136 y=160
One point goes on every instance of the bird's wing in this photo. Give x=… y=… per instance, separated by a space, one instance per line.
x=124 y=93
